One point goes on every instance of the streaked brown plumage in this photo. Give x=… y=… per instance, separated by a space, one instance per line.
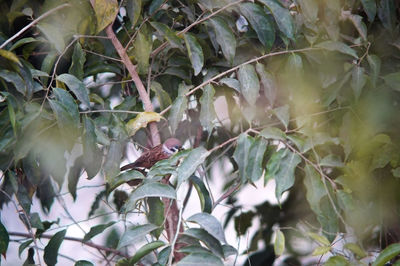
x=155 y=154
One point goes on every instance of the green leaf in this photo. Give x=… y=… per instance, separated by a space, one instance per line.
x=207 y=112
x=273 y=133
x=315 y=188
x=319 y=251
x=396 y=172
x=156 y=214
x=356 y=249
x=254 y=167
x=4 y=239
x=204 y=195
x=178 y=108
x=225 y=37
x=357 y=22
x=78 y=61
x=47 y=65
x=241 y=154
x=387 y=14
x=122 y=178
x=142 y=47
x=211 y=242
x=111 y=165
x=267 y=82
x=106 y=11
x=282 y=113
x=22 y=42
x=83 y=263
x=30 y=258
x=76 y=86
x=135 y=234
x=209 y=223
x=232 y=83
x=133 y=9
x=320 y=239
x=393 y=80
x=375 y=65
x=51 y=249
x=358 y=80
x=337 y=46
x=195 y=52
x=65 y=121
x=310 y=9
x=331 y=160
x=337 y=261
x=200 y=259
x=92 y=155
x=23 y=246
x=194 y=249
x=95 y=230
x=15 y=79
x=190 y=164
x=282 y=17
x=387 y=254
x=168 y=34
x=162 y=96
x=163 y=255
x=249 y=83
x=152 y=189
x=279 y=243
x=10 y=56
x=68 y=103
x=146 y=249
x=54 y=35
x=259 y=22
x=281 y=167
x=155 y=4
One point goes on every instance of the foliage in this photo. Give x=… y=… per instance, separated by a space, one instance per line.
x=311 y=89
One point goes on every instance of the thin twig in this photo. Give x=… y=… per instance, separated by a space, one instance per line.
x=110 y=111
x=46 y=14
x=163 y=45
x=101 y=55
x=96 y=246
x=239 y=66
x=229 y=192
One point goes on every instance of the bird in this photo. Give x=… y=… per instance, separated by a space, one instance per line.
x=155 y=154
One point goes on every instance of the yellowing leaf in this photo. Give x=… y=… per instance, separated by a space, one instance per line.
x=9 y=55
x=105 y=10
x=141 y=121
x=320 y=251
x=279 y=245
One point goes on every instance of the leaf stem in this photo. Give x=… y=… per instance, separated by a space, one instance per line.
x=46 y=14
x=96 y=246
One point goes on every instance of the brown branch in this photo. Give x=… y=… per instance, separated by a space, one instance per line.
x=155 y=136
x=96 y=246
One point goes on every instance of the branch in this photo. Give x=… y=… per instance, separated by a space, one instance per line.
x=46 y=14
x=239 y=66
x=98 y=247
x=162 y=46
x=229 y=192
x=144 y=96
